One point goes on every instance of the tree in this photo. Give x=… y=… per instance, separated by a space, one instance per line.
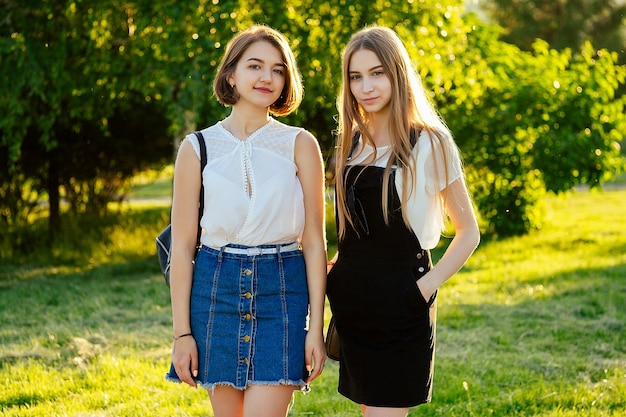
x=70 y=93
x=561 y=23
x=533 y=122
x=93 y=92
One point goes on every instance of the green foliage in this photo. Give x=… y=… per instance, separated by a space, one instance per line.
x=75 y=117
x=583 y=117
x=531 y=123
x=563 y=24
x=91 y=94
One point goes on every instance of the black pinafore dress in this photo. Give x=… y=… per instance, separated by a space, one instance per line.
x=386 y=327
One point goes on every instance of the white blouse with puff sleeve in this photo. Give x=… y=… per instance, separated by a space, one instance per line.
x=425 y=205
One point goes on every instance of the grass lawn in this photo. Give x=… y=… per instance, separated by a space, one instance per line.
x=532 y=326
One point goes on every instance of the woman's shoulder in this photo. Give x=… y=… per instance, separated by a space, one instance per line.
x=439 y=157
x=208 y=134
x=435 y=132
x=436 y=140
x=212 y=130
x=282 y=135
x=278 y=126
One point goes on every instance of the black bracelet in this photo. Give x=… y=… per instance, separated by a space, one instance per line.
x=181 y=336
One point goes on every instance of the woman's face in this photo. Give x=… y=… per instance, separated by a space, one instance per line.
x=259 y=76
x=369 y=84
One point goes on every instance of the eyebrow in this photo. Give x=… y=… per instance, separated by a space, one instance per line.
x=369 y=70
x=280 y=64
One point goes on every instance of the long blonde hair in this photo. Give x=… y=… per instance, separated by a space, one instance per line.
x=410 y=110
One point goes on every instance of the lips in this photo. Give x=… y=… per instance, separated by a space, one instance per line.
x=371 y=100
x=263 y=89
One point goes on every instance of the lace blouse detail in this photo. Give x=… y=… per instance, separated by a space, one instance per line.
x=252 y=192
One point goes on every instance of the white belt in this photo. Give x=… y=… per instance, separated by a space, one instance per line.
x=255 y=250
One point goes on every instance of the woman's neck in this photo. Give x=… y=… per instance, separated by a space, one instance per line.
x=378 y=128
x=242 y=124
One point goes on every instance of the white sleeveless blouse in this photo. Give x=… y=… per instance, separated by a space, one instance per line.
x=252 y=195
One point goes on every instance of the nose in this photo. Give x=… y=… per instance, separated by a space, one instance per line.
x=367 y=85
x=266 y=74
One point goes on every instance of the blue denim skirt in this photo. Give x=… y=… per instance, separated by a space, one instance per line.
x=249 y=317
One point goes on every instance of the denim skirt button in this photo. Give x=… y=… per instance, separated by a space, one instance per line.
x=234 y=315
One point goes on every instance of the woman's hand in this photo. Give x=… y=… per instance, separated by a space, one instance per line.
x=185 y=360
x=315 y=354
x=424 y=287
x=466 y=238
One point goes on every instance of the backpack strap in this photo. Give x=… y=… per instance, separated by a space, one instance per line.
x=413 y=136
x=355 y=142
x=415 y=133
x=203 y=161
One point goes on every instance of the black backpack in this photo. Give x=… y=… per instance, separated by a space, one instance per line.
x=164 y=239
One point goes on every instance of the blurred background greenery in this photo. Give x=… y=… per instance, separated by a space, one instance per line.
x=94 y=93
x=96 y=96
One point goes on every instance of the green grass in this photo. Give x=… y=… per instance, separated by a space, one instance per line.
x=153 y=184
x=532 y=326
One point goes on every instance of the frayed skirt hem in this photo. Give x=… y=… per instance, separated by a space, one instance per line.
x=210 y=386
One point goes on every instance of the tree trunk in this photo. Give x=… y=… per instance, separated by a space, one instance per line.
x=54 y=218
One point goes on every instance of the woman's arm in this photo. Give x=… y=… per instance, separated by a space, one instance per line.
x=184 y=232
x=308 y=159
x=467 y=236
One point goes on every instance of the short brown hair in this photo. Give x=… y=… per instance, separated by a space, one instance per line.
x=292 y=93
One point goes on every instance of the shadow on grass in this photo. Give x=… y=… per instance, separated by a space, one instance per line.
x=62 y=319
x=526 y=347
x=553 y=335
x=84 y=242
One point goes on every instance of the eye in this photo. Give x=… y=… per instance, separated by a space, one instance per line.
x=355 y=77
x=378 y=73
x=254 y=66
x=279 y=71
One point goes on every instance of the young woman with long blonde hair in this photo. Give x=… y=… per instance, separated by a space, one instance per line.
x=398 y=173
